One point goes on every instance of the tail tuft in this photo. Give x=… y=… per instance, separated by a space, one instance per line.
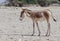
x=54 y=20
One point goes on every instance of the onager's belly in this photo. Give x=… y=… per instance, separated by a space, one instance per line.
x=40 y=19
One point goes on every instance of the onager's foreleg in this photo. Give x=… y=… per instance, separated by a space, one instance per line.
x=38 y=28
x=33 y=28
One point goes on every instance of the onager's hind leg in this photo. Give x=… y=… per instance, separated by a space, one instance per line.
x=38 y=28
x=46 y=15
x=48 y=30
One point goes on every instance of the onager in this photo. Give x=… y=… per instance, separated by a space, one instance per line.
x=37 y=16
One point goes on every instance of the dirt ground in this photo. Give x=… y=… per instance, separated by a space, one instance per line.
x=12 y=29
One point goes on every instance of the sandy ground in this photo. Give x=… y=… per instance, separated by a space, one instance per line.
x=11 y=28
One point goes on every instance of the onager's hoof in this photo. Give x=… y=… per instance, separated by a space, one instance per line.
x=32 y=35
x=47 y=35
x=39 y=35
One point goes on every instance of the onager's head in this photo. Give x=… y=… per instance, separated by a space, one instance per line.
x=22 y=13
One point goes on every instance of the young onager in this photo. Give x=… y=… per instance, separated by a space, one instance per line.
x=37 y=16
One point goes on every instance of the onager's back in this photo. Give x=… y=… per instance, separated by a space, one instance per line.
x=44 y=14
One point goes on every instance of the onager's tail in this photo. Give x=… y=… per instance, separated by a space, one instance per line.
x=54 y=19
x=52 y=15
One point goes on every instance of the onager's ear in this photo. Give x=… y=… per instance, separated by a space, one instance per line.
x=28 y=15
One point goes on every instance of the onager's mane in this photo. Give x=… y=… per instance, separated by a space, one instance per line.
x=36 y=16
